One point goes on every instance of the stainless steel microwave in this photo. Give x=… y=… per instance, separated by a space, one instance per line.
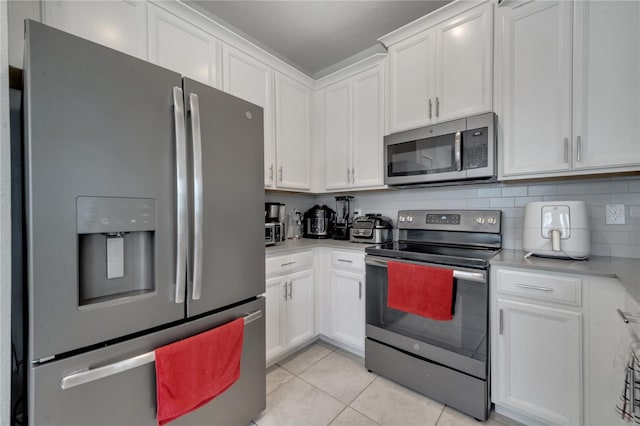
x=458 y=151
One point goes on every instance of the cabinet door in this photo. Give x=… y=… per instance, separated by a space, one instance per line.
x=182 y=47
x=607 y=84
x=337 y=131
x=411 y=82
x=368 y=120
x=119 y=24
x=537 y=88
x=539 y=361
x=347 y=308
x=276 y=293
x=293 y=134
x=463 y=58
x=300 y=311
x=251 y=80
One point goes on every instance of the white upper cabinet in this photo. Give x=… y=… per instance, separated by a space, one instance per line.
x=537 y=81
x=293 y=134
x=118 y=24
x=411 y=82
x=463 y=61
x=606 y=84
x=570 y=87
x=368 y=128
x=180 y=46
x=251 y=80
x=443 y=72
x=353 y=130
x=337 y=131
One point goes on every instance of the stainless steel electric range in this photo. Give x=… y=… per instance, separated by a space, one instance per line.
x=445 y=360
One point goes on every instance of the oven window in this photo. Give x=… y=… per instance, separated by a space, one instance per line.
x=423 y=156
x=465 y=334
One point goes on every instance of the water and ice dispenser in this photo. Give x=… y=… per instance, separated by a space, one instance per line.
x=116 y=249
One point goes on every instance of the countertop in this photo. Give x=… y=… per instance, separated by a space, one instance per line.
x=291 y=245
x=626 y=270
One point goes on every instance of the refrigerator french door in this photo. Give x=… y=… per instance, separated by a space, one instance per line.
x=143 y=203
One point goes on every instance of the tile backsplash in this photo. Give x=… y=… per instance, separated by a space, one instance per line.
x=606 y=240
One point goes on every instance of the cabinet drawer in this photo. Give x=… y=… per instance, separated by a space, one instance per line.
x=347 y=260
x=289 y=263
x=554 y=288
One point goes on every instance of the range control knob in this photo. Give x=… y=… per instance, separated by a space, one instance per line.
x=492 y=220
x=401 y=218
x=480 y=220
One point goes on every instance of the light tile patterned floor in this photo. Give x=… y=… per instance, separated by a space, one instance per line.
x=321 y=385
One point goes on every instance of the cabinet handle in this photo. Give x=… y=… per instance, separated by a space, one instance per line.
x=271 y=172
x=290 y=290
x=437 y=107
x=579 y=149
x=348 y=175
x=534 y=287
x=360 y=290
x=345 y=260
x=285 y=291
x=353 y=175
x=430 y=105
x=280 y=173
x=282 y=265
x=566 y=150
x=501 y=323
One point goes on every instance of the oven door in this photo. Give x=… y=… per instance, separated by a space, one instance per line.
x=461 y=343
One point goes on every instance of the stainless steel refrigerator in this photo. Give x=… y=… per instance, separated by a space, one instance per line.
x=143 y=226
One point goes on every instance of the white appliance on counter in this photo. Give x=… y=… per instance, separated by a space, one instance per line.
x=556 y=229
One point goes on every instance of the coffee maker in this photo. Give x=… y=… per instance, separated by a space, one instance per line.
x=344 y=217
x=274 y=227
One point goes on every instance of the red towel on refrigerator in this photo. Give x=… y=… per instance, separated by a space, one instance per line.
x=420 y=290
x=193 y=371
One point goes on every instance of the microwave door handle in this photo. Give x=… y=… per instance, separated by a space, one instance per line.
x=181 y=213
x=198 y=203
x=458 y=151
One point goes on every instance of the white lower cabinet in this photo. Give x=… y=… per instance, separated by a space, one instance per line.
x=539 y=361
x=347 y=308
x=290 y=316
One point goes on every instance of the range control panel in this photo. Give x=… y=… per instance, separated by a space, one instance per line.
x=451 y=220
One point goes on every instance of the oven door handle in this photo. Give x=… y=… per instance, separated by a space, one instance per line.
x=462 y=275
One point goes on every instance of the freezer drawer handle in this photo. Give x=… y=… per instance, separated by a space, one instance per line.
x=86 y=376
x=462 y=275
x=181 y=169
x=198 y=194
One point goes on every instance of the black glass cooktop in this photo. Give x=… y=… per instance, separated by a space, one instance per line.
x=445 y=255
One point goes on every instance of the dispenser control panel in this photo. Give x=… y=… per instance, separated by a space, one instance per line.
x=115 y=214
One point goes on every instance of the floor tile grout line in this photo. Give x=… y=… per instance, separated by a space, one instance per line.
x=310 y=365
x=440 y=416
x=354 y=399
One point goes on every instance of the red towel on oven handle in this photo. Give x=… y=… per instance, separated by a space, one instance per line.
x=420 y=290
x=193 y=371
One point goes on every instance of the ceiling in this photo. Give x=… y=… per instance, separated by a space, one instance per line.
x=316 y=37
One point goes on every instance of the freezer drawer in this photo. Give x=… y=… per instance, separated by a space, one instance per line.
x=129 y=397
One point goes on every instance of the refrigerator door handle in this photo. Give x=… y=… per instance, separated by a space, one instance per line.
x=181 y=170
x=81 y=377
x=198 y=202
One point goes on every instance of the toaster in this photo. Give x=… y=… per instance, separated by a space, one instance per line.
x=372 y=229
x=556 y=229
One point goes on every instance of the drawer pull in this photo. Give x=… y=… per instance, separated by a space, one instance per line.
x=287 y=264
x=534 y=287
x=345 y=260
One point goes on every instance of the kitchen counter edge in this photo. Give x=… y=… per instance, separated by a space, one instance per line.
x=306 y=243
x=626 y=270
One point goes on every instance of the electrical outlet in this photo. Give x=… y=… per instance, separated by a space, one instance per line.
x=634 y=211
x=614 y=214
x=357 y=212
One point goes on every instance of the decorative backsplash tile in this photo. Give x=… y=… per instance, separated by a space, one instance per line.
x=607 y=240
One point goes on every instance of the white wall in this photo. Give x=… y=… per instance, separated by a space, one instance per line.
x=5 y=225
